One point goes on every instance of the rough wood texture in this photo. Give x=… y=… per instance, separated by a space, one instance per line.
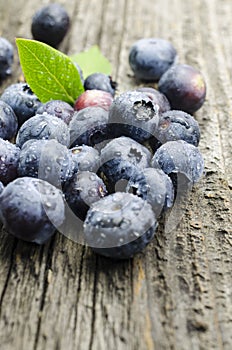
x=177 y=294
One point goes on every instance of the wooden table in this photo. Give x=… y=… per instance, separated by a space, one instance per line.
x=177 y=294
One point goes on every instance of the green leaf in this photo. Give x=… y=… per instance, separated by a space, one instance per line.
x=92 y=61
x=51 y=74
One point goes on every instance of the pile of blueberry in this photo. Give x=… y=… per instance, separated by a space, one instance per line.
x=116 y=160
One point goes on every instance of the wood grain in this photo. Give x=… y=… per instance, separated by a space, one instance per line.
x=177 y=294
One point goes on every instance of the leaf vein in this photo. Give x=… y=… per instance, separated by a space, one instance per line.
x=49 y=72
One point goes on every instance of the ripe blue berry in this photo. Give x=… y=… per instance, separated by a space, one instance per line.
x=31 y=209
x=22 y=100
x=89 y=126
x=82 y=190
x=50 y=24
x=6 y=58
x=9 y=157
x=57 y=108
x=184 y=86
x=179 y=157
x=46 y=159
x=85 y=158
x=154 y=186
x=149 y=58
x=177 y=125
x=43 y=126
x=8 y=121
x=133 y=114
x=119 y=225
x=100 y=81
x=121 y=158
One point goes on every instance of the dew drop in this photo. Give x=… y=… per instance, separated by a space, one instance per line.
x=92 y=177
x=48 y=204
x=92 y=192
x=117 y=153
x=136 y=234
x=29 y=104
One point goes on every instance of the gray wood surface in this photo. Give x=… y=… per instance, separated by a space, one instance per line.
x=177 y=294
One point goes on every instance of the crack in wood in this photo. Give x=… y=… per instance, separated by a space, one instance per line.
x=11 y=264
x=44 y=290
x=94 y=304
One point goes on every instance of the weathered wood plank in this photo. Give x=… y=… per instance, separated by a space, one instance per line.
x=177 y=293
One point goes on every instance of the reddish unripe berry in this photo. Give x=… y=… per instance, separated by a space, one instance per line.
x=96 y=98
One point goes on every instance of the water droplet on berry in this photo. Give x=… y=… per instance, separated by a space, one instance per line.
x=118 y=153
x=55 y=121
x=136 y=234
x=92 y=177
x=48 y=204
x=92 y=192
x=61 y=160
x=47 y=170
x=29 y=104
x=85 y=164
x=58 y=110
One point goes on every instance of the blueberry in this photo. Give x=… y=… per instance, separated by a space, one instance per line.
x=149 y=58
x=46 y=159
x=43 y=126
x=119 y=225
x=133 y=114
x=179 y=157
x=184 y=86
x=6 y=58
x=157 y=97
x=31 y=209
x=94 y=98
x=22 y=100
x=121 y=158
x=8 y=122
x=85 y=158
x=1 y=187
x=82 y=190
x=177 y=125
x=57 y=108
x=50 y=24
x=100 y=81
x=154 y=186
x=9 y=157
x=89 y=126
